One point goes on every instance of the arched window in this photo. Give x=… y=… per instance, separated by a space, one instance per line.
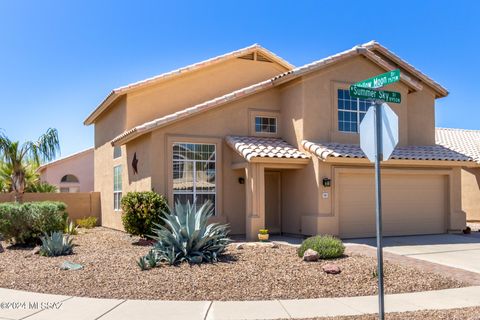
x=69 y=178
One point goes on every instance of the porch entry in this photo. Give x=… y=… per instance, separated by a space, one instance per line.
x=273 y=202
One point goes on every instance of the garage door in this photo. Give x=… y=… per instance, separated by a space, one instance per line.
x=412 y=203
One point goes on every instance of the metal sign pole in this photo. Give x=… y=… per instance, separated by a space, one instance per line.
x=378 y=203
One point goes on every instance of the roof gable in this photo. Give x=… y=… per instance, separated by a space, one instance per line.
x=256 y=51
x=365 y=50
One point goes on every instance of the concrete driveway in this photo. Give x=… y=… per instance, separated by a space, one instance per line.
x=458 y=251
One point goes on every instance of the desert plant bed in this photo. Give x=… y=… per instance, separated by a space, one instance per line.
x=252 y=273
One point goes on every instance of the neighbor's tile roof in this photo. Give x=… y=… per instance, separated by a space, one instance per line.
x=252 y=147
x=337 y=150
x=463 y=141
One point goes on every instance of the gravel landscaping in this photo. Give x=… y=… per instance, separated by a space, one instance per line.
x=253 y=273
x=452 y=314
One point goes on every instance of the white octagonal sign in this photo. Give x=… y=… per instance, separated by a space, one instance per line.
x=389 y=131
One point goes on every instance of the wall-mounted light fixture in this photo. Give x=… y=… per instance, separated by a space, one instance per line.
x=241 y=180
x=326 y=182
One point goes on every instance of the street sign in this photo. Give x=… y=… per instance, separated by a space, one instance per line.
x=378 y=138
x=380 y=80
x=367 y=134
x=389 y=129
x=364 y=93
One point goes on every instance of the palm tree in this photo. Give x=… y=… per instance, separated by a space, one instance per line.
x=32 y=177
x=20 y=157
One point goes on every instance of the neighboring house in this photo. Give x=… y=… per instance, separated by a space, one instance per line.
x=278 y=147
x=73 y=173
x=468 y=143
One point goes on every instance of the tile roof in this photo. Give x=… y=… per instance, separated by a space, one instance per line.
x=115 y=93
x=375 y=46
x=279 y=79
x=337 y=150
x=260 y=147
x=463 y=141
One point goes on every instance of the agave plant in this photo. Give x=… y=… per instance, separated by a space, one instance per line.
x=187 y=236
x=56 y=244
x=70 y=227
x=142 y=263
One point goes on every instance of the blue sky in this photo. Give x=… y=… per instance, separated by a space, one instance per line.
x=59 y=59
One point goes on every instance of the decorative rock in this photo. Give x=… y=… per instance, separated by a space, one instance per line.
x=310 y=255
x=67 y=265
x=266 y=244
x=331 y=268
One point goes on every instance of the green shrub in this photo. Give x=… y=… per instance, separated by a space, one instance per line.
x=56 y=244
x=87 y=223
x=25 y=223
x=187 y=236
x=328 y=247
x=141 y=210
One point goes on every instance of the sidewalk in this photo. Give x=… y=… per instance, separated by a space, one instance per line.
x=25 y=305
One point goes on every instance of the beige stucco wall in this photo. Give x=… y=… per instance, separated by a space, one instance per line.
x=79 y=205
x=80 y=165
x=471 y=193
x=421 y=118
x=196 y=87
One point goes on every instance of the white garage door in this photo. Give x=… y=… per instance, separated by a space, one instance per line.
x=412 y=203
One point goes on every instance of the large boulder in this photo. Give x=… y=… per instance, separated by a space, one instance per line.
x=310 y=255
x=331 y=268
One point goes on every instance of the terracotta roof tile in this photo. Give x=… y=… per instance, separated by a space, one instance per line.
x=252 y=147
x=435 y=152
x=463 y=141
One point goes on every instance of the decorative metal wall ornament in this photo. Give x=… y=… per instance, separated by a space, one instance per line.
x=135 y=163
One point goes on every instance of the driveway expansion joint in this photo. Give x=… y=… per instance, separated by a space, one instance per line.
x=111 y=309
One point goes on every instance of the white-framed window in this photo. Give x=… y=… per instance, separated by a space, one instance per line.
x=265 y=124
x=194 y=173
x=117 y=187
x=351 y=111
x=117 y=152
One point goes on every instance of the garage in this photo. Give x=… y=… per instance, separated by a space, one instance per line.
x=414 y=202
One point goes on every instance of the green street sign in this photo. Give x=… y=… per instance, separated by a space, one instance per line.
x=381 y=80
x=364 y=93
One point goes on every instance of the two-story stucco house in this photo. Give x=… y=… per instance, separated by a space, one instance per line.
x=277 y=146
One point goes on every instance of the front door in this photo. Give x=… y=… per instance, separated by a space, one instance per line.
x=273 y=202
